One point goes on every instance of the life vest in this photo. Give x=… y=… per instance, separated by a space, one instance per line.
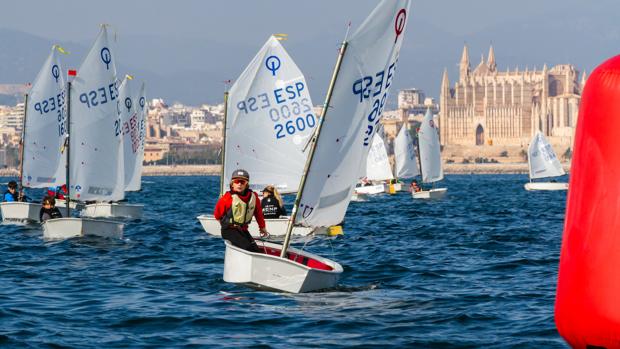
x=14 y=195
x=271 y=207
x=242 y=212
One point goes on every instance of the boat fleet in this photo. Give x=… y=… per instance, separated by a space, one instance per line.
x=270 y=130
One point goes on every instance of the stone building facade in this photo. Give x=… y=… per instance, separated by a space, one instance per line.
x=490 y=107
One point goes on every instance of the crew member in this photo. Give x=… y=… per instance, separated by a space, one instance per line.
x=273 y=207
x=235 y=210
x=11 y=193
x=49 y=209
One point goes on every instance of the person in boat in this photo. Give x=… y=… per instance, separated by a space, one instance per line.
x=235 y=210
x=11 y=194
x=414 y=187
x=273 y=207
x=49 y=209
x=57 y=192
x=365 y=182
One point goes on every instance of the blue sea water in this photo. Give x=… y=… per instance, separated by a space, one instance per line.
x=476 y=269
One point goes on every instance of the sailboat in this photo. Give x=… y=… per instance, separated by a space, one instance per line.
x=352 y=111
x=378 y=169
x=543 y=163
x=267 y=123
x=94 y=148
x=132 y=110
x=406 y=164
x=43 y=132
x=430 y=158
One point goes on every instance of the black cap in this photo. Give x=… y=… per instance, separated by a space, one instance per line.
x=243 y=174
x=12 y=185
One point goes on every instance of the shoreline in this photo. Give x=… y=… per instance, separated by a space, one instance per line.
x=214 y=170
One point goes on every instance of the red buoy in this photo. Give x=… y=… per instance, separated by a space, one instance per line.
x=587 y=306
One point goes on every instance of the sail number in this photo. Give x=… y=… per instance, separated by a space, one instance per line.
x=374 y=88
x=292 y=126
x=99 y=96
x=50 y=104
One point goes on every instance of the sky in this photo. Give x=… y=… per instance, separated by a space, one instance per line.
x=184 y=49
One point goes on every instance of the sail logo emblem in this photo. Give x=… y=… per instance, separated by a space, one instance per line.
x=106 y=57
x=142 y=103
x=55 y=72
x=399 y=23
x=273 y=64
x=431 y=123
x=128 y=103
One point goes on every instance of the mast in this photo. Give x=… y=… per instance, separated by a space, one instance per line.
x=419 y=155
x=317 y=134
x=68 y=150
x=21 y=148
x=223 y=143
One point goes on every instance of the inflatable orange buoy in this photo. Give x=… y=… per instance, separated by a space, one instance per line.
x=587 y=307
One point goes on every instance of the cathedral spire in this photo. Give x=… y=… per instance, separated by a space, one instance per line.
x=464 y=67
x=491 y=60
x=445 y=83
x=584 y=78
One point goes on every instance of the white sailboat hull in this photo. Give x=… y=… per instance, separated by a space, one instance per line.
x=270 y=272
x=20 y=211
x=66 y=228
x=113 y=210
x=546 y=186
x=370 y=189
x=357 y=197
x=430 y=194
x=62 y=203
x=275 y=227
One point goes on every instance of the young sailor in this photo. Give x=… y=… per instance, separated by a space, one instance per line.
x=49 y=209
x=235 y=210
x=273 y=207
x=11 y=193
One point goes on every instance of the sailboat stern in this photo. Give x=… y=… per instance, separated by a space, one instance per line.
x=66 y=228
x=16 y=212
x=113 y=210
x=301 y=272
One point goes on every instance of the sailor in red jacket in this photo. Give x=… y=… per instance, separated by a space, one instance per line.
x=235 y=210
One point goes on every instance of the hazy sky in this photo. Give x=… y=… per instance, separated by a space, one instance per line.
x=216 y=39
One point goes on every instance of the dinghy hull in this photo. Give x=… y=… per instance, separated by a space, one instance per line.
x=20 y=212
x=430 y=194
x=113 y=210
x=66 y=228
x=275 y=226
x=268 y=271
x=370 y=189
x=546 y=186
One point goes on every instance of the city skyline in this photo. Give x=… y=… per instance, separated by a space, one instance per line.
x=184 y=52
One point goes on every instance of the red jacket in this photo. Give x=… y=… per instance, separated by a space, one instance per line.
x=225 y=202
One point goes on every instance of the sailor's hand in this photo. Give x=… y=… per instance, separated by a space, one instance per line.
x=264 y=233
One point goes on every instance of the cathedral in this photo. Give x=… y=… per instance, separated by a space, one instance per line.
x=490 y=107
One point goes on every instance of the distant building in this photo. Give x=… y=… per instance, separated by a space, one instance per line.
x=490 y=107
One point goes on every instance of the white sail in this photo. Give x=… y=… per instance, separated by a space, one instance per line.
x=131 y=115
x=359 y=96
x=430 y=150
x=269 y=121
x=96 y=158
x=404 y=154
x=543 y=161
x=378 y=166
x=45 y=127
